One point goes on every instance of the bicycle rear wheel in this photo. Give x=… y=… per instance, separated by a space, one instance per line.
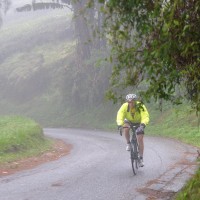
x=133 y=162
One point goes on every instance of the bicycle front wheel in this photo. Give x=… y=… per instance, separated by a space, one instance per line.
x=134 y=163
x=134 y=159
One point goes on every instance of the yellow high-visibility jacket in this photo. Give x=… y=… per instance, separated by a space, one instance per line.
x=139 y=114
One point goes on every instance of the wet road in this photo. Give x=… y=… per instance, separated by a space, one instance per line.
x=99 y=168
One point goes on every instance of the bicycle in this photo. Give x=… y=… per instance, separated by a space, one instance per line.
x=134 y=150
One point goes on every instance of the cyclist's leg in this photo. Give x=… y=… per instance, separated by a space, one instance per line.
x=126 y=133
x=140 y=138
x=126 y=130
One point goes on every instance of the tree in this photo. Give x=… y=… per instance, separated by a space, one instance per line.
x=88 y=78
x=156 y=44
x=4 y=6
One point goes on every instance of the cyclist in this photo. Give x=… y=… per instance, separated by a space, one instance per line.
x=136 y=112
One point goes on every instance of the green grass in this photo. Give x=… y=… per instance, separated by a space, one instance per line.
x=180 y=123
x=192 y=189
x=21 y=137
x=17 y=67
x=101 y=117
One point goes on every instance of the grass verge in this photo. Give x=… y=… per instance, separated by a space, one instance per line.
x=20 y=138
x=180 y=123
x=191 y=191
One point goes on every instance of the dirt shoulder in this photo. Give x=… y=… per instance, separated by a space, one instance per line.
x=60 y=149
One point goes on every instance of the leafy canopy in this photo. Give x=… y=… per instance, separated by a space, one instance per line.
x=156 y=44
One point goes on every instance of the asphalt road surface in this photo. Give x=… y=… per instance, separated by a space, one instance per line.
x=99 y=168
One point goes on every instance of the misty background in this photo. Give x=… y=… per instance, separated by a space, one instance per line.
x=42 y=75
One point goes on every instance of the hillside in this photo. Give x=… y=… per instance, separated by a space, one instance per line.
x=41 y=76
x=35 y=54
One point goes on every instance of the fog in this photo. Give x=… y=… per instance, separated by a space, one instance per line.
x=46 y=72
x=31 y=65
x=12 y=15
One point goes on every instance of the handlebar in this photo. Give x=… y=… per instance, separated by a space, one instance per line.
x=131 y=126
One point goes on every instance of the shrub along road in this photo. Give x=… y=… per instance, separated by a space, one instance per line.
x=98 y=167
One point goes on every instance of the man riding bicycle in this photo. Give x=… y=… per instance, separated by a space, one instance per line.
x=135 y=112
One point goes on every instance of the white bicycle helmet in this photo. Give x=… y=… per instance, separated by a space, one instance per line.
x=130 y=97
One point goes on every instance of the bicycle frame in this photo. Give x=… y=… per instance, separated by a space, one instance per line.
x=134 y=141
x=134 y=151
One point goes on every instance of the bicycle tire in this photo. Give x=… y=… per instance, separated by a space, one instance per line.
x=134 y=158
x=132 y=161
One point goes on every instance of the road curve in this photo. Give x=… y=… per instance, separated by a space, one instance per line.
x=99 y=168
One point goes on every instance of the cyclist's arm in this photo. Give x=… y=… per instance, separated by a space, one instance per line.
x=144 y=115
x=121 y=115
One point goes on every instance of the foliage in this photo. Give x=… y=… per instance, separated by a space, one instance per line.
x=19 y=135
x=178 y=122
x=94 y=77
x=155 y=41
x=191 y=190
x=87 y=23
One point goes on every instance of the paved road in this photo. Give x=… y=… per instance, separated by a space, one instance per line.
x=99 y=168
